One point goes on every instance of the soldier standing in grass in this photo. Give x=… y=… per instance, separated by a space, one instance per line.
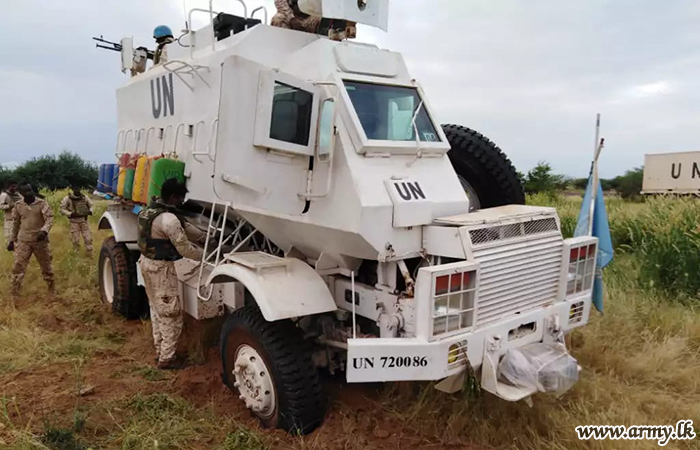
x=32 y=221
x=8 y=199
x=164 y=237
x=77 y=207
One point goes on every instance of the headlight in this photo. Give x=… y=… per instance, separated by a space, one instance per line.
x=453 y=302
x=581 y=269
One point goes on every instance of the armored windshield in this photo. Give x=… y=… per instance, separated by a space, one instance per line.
x=387 y=112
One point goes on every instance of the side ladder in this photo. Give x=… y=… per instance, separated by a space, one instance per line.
x=220 y=242
x=217 y=225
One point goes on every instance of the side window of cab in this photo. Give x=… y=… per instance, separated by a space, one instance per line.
x=292 y=109
x=287 y=114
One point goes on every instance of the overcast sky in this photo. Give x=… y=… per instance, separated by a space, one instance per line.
x=529 y=74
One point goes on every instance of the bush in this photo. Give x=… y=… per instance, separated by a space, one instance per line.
x=542 y=180
x=53 y=172
x=580 y=183
x=662 y=235
x=629 y=185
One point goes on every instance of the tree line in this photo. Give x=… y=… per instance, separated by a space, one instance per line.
x=53 y=172
x=541 y=179
x=67 y=169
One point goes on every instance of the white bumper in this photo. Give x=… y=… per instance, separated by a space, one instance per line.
x=413 y=359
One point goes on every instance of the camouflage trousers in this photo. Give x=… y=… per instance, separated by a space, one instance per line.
x=81 y=229
x=163 y=290
x=7 y=230
x=285 y=18
x=23 y=252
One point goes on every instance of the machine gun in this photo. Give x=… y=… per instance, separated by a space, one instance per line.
x=117 y=47
x=114 y=46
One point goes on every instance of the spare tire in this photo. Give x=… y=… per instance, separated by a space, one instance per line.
x=485 y=172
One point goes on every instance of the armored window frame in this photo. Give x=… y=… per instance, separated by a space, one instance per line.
x=304 y=141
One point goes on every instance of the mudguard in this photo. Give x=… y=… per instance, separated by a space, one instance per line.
x=123 y=223
x=283 y=288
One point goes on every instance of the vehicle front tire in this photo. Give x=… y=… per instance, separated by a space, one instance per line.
x=485 y=172
x=118 y=281
x=269 y=366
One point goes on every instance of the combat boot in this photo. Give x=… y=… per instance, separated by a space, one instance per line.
x=173 y=363
x=52 y=287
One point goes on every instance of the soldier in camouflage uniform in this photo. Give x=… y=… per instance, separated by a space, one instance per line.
x=77 y=207
x=290 y=16
x=164 y=237
x=33 y=220
x=8 y=198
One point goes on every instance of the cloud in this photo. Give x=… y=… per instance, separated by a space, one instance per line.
x=530 y=75
x=650 y=89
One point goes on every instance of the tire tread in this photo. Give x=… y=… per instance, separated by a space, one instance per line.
x=300 y=393
x=490 y=172
x=129 y=300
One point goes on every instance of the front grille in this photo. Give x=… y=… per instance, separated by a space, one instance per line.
x=519 y=272
x=513 y=230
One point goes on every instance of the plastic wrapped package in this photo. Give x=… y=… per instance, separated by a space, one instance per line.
x=545 y=367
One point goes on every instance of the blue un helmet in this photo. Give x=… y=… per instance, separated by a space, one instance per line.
x=162 y=32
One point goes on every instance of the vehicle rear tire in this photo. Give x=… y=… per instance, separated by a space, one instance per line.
x=483 y=169
x=118 y=284
x=269 y=365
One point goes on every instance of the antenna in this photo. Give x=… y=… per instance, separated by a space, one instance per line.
x=184 y=13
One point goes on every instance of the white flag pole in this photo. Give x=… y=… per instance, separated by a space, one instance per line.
x=594 y=173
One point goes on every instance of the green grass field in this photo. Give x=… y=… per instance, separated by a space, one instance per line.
x=73 y=376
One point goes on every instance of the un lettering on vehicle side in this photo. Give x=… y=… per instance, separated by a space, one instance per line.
x=162 y=96
x=409 y=190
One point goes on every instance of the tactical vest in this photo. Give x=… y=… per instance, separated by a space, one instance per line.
x=157 y=249
x=79 y=206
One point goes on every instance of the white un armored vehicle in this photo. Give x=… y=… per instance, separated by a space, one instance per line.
x=347 y=229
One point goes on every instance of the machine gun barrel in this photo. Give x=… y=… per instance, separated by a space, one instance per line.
x=114 y=46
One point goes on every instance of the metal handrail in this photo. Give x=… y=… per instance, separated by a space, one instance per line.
x=120 y=136
x=192 y=71
x=177 y=134
x=126 y=137
x=252 y=14
x=148 y=134
x=194 y=142
x=164 y=138
x=212 y=139
x=211 y=18
x=190 y=32
x=138 y=139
